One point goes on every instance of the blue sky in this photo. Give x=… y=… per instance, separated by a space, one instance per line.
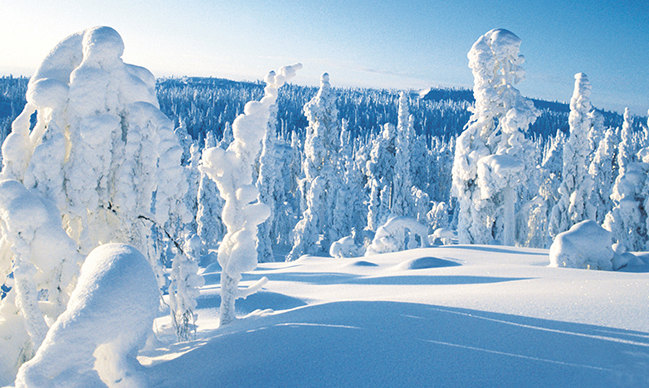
x=395 y=44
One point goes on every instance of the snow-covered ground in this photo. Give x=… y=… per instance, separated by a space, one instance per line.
x=453 y=316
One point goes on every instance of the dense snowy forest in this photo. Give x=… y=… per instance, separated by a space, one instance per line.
x=374 y=126
x=204 y=172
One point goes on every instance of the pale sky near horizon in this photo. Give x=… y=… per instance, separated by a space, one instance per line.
x=368 y=43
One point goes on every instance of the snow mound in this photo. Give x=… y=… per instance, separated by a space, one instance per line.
x=585 y=245
x=363 y=263
x=109 y=316
x=427 y=262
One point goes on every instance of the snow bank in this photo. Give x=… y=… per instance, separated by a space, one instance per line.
x=108 y=318
x=585 y=245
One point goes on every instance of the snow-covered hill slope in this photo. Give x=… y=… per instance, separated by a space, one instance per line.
x=447 y=316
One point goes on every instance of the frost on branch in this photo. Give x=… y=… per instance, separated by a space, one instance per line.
x=231 y=169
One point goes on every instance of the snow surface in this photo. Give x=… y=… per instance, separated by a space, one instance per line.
x=446 y=316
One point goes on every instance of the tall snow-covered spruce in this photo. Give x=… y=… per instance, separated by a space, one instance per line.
x=313 y=234
x=577 y=183
x=231 y=169
x=492 y=157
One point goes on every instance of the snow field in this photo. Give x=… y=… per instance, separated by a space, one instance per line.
x=445 y=316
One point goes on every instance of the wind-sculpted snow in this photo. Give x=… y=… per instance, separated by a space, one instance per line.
x=413 y=319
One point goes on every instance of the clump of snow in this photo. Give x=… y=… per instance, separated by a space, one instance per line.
x=109 y=316
x=398 y=234
x=231 y=169
x=585 y=245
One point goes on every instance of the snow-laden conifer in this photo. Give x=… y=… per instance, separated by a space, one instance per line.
x=313 y=233
x=402 y=181
x=601 y=171
x=492 y=155
x=101 y=147
x=577 y=183
x=231 y=169
x=209 y=225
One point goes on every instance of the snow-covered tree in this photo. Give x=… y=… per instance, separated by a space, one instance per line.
x=231 y=169
x=577 y=183
x=313 y=233
x=380 y=170
x=44 y=265
x=107 y=321
x=601 y=171
x=184 y=287
x=209 y=225
x=267 y=184
x=625 y=151
x=628 y=218
x=492 y=155
x=101 y=150
x=402 y=182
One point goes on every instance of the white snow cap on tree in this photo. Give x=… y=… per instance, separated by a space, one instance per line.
x=231 y=169
x=100 y=148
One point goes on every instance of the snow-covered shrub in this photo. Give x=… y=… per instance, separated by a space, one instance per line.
x=585 y=245
x=444 y=236
x=184 y=287
x=576 y=185
x=101 y=149
x=346 y=247
x=45 y=264
x=231 y=169
x=108 y=318
x=398 y=234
